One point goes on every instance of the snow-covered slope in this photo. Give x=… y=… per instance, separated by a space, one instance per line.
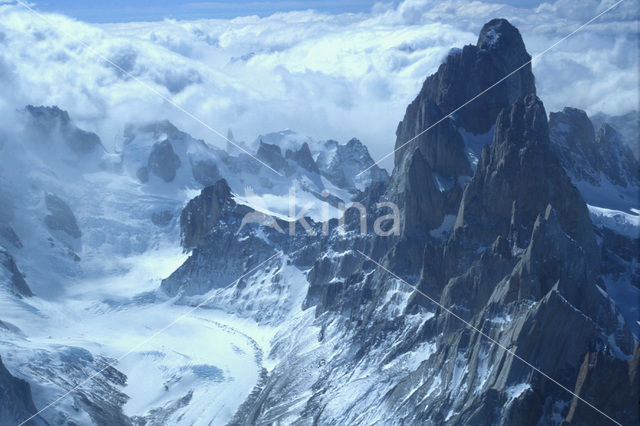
x=86 y=237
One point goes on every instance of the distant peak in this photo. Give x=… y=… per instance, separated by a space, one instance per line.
x=355 y=142
x=48 y=113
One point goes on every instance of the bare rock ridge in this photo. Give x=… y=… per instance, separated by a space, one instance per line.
x=204 y=212
x=627 y=125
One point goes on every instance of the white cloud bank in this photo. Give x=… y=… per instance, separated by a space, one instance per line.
x=328 y=76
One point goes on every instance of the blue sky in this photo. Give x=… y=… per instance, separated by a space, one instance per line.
x=152 y=10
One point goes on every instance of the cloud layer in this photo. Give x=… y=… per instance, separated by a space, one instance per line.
x=328 y=76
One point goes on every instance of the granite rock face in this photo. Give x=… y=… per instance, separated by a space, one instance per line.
x=627 y=125
x=203 y=212
x=272 y=155
x=499 y=51
x=304 y=158
x=449 y=147
x=516 y=178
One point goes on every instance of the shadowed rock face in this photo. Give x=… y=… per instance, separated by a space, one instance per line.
x=516 y=178
x=16 y=403
x=163 y=161
x=499 y=51
x=304 y=158
x=272 y=155
x=46 y=120
x=61 y=217
x=11 y=275
x=203 y=212
x=627 y=125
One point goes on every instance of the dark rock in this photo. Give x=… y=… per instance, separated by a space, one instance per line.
x=618 y=162
x=517 y=177
x=16 y=402
x=465 y=74
x=60 y=217
x=203 y=212
x=422 y=202
x=441 y=146
x=47 y=120
x=462 y=76
x=627 y=125
x=163 y=161
x=14 y=278
x=588 y=156
x=304 y=158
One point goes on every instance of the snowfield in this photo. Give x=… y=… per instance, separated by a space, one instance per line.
x=209 y=359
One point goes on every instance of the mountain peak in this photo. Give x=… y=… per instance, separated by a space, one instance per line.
x=500 y=34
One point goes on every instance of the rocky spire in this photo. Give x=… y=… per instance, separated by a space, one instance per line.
x=517 y=177
x=499 y=51
x=202 y=213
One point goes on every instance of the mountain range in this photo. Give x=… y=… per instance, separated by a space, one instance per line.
x=508 y=295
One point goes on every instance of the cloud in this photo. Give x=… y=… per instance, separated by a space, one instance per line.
x=328 y=76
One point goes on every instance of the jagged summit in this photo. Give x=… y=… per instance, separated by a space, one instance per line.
x=500 y=34
x=517 y=177
x=464 y=74
x=451 y=148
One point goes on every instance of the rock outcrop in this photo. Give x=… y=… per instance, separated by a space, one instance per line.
x=46 y=121
x=16 y=403
x=203 y=212
x=61 y=217
x=10 y=276
x=303 y=158
x=163 y=161
x=465 y=74
x=272 y=155
x=342 y=165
